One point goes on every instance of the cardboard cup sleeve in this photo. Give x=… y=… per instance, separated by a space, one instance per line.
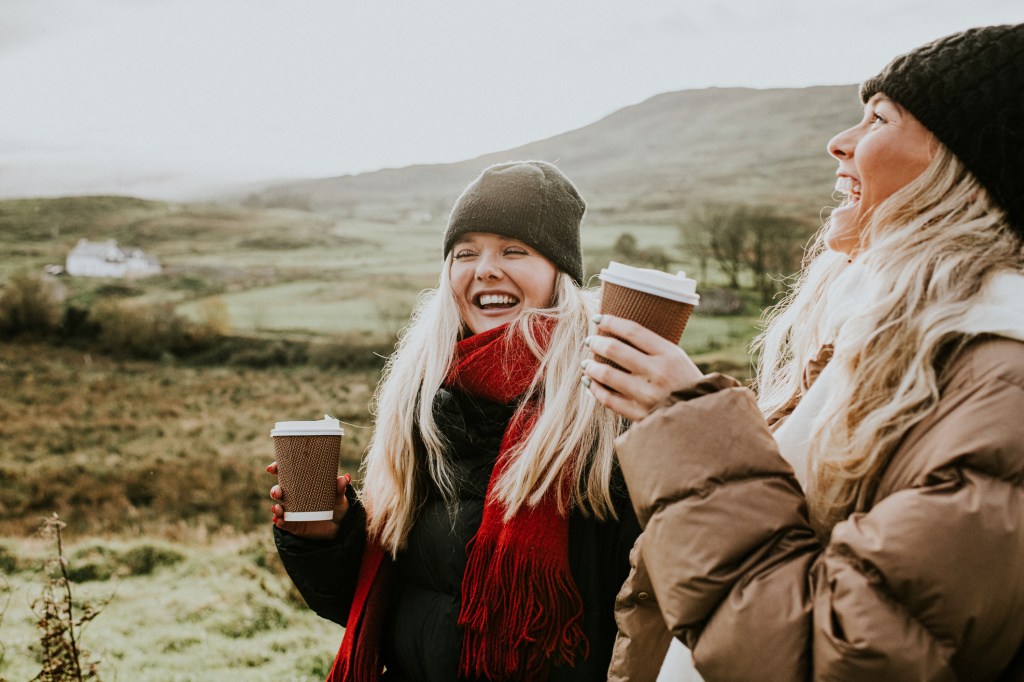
x=663 y=316
x=307 y=471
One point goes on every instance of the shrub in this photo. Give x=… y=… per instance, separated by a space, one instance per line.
x=249 y=620
x=98 y=563
x=215 y=316
x=316 y=667
x=273 y=354
x=92 y=563
x=76 y=324
x=8 y=560
x=141 y=331
x=173 y=646
x=144 y=559
x=351 y=353
x=31 y=303
x=149 y=331
x=118 y=290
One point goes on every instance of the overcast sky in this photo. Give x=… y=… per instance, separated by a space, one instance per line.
x=169 y=98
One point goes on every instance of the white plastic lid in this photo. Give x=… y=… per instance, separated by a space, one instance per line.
x=677 y=287
x=328 y=426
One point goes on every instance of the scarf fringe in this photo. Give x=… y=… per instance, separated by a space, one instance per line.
x=518 y=616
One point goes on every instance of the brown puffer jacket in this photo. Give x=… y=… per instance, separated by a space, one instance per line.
x=928 y=584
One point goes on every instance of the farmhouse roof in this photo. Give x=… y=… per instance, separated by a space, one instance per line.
x=108 y=250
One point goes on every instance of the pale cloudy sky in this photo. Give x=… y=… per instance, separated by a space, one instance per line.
x=169 y=98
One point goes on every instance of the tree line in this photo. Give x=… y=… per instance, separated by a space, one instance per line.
x=753 y=245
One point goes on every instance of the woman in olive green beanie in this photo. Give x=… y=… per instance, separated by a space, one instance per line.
x=492 y=530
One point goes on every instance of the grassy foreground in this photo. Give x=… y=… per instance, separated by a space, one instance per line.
x=200 y=611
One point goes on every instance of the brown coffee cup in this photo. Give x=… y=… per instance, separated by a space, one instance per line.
x=657 y=300
x=307 y=455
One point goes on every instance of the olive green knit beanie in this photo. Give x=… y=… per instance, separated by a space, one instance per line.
x=531 y=201
x=968 y=89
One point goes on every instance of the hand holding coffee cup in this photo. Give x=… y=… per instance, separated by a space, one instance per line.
x=316 y=530
x=309 y=488
x=638 y=359
x=654 y=299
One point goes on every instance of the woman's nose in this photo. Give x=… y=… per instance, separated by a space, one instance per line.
x=487 y=268
x=841 y=146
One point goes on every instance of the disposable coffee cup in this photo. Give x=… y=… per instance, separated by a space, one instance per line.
x=307 y=455
x=659 y=301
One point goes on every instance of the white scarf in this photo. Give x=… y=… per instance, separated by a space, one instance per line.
x=999 y=311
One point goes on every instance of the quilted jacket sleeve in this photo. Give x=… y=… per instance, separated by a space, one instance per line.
x=325 y=572
x=927 y=585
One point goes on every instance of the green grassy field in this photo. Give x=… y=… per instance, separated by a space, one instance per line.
x=277 y=270
x=209 y=610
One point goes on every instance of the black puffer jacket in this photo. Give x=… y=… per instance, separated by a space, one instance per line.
x=421 y=641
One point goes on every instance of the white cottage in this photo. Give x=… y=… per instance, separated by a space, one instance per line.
x=107 y=259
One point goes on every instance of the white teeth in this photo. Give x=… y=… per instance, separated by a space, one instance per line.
x=498 y=299
x=847 y=185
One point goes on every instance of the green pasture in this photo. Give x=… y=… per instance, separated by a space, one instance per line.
x=282 y=270
x=323 y=307
x=209 y=610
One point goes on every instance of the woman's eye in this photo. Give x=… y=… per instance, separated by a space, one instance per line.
x=464 y=253
x=516 y=251
x=877 y=118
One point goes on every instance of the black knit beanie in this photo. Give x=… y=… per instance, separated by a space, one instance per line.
x=968 y=89
x=531 y=201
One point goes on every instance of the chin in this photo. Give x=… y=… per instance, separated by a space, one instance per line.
x=486 y=325
x=843 y=233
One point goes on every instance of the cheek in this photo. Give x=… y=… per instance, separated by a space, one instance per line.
x=886 y=169
x=458 y=282
x=542 y=288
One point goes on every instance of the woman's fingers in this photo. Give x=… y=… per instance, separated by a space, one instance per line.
x=618 y=352
x=272 y=469
x=631 y=395
x=321 y=530
x=340 y=500
x=655 y=368
x=608 y=376
x=615 y=402
x=636 y=335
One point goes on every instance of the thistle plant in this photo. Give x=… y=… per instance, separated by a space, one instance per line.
x=61 y=619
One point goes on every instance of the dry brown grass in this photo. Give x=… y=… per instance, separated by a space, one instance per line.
x=140 y=447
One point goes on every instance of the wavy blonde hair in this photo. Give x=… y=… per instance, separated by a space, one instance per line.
x=571 y=436
x=930 y=248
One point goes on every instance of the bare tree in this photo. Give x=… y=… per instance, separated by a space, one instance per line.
x=774 y=247
x=714 y=232
x=740 y=238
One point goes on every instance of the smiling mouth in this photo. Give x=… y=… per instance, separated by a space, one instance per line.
x=496 y=301
x=849 y=188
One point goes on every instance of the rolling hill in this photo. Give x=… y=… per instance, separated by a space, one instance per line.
x=670 y=151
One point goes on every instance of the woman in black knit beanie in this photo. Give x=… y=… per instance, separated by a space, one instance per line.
x=492 y=530
x=861 y=517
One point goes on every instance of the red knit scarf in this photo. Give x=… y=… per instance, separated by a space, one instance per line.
x=521 y=609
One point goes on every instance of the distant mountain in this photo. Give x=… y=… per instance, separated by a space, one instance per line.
x=663 y=154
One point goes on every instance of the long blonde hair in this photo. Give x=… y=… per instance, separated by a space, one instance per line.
x=572 y=434
x=929 y=249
